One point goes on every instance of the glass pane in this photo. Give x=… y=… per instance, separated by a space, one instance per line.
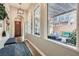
x=28 y=24
x=37 y=21
x=63 y=26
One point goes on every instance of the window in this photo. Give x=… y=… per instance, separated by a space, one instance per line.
x=37 y=21
x=26 y=27
x=28 y=24
x=62 y=22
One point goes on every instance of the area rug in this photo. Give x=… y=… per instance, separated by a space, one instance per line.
x=18 y=49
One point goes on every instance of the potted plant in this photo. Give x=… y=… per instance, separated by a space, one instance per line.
x=3 y=15
x=3 y=34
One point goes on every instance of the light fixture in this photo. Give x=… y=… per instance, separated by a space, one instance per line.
x=20 y=11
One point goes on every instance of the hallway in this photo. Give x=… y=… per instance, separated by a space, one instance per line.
x=43 y=29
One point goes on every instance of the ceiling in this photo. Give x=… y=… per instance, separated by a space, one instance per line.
x=55 y=9
x=23 y=6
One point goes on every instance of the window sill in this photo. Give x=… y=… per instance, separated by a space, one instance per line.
x=36 y=35
x=74 y=48
x=37 y=50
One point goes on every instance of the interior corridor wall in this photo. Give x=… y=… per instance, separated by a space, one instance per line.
x=12 y=13
x=46 y=46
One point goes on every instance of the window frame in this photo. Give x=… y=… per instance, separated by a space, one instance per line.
x=27 y=23
x=76 y=48
x=30 y=23
x=36 y=7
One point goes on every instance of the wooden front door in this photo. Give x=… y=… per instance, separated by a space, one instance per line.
x=17 y=28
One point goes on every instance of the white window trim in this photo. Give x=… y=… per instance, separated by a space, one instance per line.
x=36 y=6
x=77 y=41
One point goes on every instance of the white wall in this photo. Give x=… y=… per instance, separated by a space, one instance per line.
x=12 y=13
x=48 y=47
x=13 y=16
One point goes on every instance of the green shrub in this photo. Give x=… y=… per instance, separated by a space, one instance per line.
x=73 y=38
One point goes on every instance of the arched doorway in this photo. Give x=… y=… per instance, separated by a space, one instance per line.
x=18 y=26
